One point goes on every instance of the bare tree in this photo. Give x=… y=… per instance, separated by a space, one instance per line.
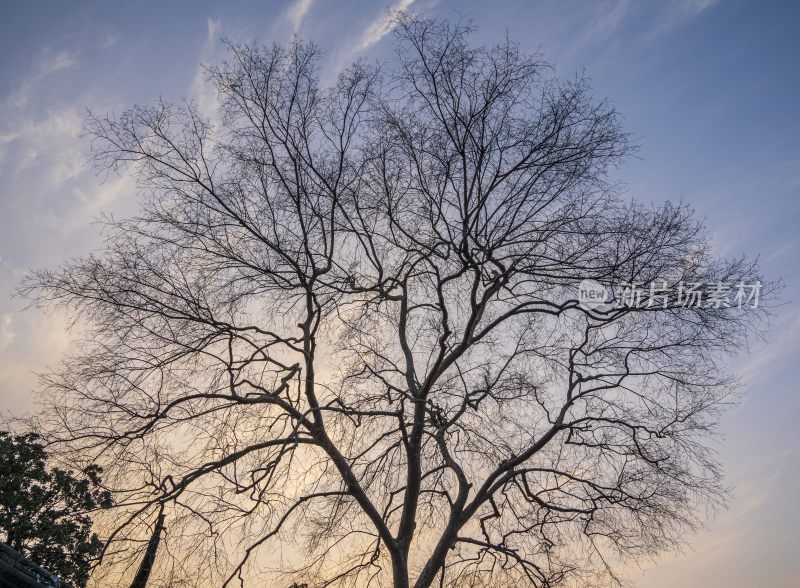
x=341 y=345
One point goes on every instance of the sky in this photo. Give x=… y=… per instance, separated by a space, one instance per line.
x=708 y=88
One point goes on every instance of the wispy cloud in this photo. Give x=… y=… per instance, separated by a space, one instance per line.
x=382 y=26
x=62 y=60
x=201 y=90
x=376 y=30
x=609 y=21
x=47 y=144
x=49 y=197
x=678 y=12
x=6 y=332
x=6 y=139
x=35 y=342
x=110 y=40
x=297 y=12
x=48 y=64
x=696 y=6
x=37 y=137
x=784 y=345
x=90 y=201
x=664 y=18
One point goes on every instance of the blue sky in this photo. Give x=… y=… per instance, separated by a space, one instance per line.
x=709 y=88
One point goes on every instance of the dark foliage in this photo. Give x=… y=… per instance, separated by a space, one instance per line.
x=44 y=513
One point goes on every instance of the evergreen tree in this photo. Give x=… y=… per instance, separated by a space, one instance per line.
x=44 y=512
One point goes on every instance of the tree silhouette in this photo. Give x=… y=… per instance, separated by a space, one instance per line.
x=44 y=514
x=342 y=343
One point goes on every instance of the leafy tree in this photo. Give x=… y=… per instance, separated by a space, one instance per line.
x=44 y=512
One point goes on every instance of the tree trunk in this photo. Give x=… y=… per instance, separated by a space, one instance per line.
x=399 y=571
x=140 y=581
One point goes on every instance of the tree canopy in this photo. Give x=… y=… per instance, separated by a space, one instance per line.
x=342 y=342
